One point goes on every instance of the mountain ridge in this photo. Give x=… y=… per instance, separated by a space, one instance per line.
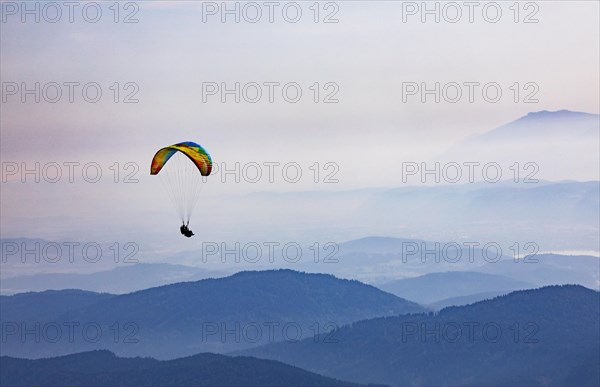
x=181 y=319
x=104 y=368
x=538 y=336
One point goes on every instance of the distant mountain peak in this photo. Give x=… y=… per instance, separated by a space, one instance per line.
x=548 y=112
x=556 y=114
x=278 y=273
x=543 y=124
x=267 y=272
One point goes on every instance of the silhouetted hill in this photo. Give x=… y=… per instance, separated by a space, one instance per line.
x=212 y=315
x=464 y=300
x=122 y=279
x=548 y=336
x=103 y=368
x=550 y=269
x=434 y=287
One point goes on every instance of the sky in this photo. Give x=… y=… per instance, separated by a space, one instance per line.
x=167 y=61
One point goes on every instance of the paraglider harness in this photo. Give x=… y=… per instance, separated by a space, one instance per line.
x=185 y=230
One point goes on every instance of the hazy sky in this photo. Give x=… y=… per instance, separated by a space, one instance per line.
x=364 y=59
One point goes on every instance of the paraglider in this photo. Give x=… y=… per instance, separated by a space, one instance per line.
x=183 y=175
x=186 y=231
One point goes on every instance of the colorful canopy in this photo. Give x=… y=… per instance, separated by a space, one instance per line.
x=195 y=152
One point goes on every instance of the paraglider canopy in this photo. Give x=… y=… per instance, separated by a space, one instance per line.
x=195 y=152
x=182 y=168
